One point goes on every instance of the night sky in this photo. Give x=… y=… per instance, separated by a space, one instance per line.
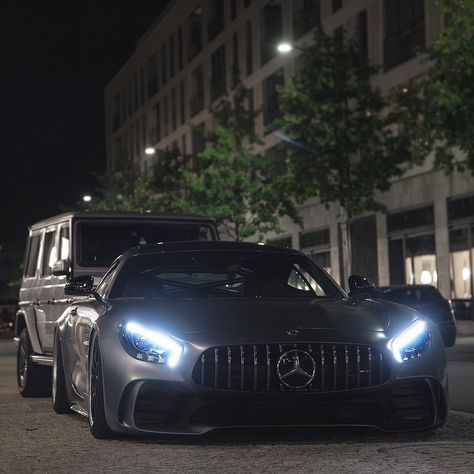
x=56 y=59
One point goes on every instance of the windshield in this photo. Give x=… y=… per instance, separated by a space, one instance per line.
x=102 y=242
x=204 y=274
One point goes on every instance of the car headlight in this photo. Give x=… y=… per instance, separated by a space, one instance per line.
x=411 y=343
x=149 y=345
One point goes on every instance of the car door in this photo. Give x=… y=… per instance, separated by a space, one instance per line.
x=46 y=315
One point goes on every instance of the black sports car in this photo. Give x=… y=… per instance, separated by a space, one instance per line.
x=190 y=337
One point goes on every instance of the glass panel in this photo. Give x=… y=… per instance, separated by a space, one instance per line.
x=272 y=29
x=461 y=208
x=314 y=238
x=33 y=256
x=395 y=255
x=49 y=254
x=420 y=260
x=459 y=262
x=408 y=219
x=321 y=259
x=64 y=251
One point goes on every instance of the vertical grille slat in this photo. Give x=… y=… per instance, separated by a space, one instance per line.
x=255 y=365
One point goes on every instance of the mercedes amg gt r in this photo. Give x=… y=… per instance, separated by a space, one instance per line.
x=194 y=336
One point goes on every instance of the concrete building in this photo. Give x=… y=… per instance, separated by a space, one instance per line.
x=185 y=62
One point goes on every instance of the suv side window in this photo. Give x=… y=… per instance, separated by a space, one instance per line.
x=49 y=253
x=64 y=243
x=32 y=258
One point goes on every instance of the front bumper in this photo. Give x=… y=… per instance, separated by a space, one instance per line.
x=145 y=398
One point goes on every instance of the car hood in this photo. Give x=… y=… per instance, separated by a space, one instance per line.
x=248 y=314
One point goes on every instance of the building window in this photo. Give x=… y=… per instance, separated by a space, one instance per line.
x=195 y=32
x=116 y=113
x=363 y=34
x=198 y=142
x=215 y=23
x=196 y=101
x=171 y=57
x=218 y=71
x=182 y=103
x=163 y=64
x=272 y=29
x=337 y=5
x=271 y=109
x=142 y=85
x=157 y=113
x=130 y=98
x=165 y=116
x=461 y=208
x=152 y=76
x=173 y=109
x=246 y=3
x=235 y=70
x=248 y=48
x=144 y=130
x=316 y=245
x=404 y=30
x=420 y=217
x=277 y=155
x=136 y=93
x=461 y=262
x=306 y=15
x=282 y=242
x=180 y=48
x=233 y=9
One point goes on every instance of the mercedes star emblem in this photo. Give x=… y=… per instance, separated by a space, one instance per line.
x=296 y=369
x=292 y=332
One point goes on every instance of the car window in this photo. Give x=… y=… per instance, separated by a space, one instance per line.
x=32 y=258
x=50 y=255
x=222 y=274
x=64 y=243
x=104 y=284
x=412 y=295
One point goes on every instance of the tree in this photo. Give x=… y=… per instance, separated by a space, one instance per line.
x=448 y=89
x=233 y=183
x=346 y=145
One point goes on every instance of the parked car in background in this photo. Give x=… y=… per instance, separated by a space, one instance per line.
x=70 y=245
x=8 y=309
x=463 y=308
x=427 y=300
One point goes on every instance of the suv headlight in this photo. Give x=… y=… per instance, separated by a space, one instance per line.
x=149 y=345
x=411 y=343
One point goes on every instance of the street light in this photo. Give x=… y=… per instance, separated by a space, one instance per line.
x=150 y=151
x=285 y=47
x=87 y=198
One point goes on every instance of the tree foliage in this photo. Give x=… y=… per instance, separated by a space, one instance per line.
x=231 y=181
x=448 y=89
x=346 y=146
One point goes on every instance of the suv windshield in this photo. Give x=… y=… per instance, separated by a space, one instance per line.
x=412 y=295
x=201 y=274
x=102 y=242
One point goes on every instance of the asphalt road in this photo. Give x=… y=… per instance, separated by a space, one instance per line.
x=34 y=439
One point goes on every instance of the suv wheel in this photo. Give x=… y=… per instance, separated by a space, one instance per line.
x=33 y=380
x=61 y=403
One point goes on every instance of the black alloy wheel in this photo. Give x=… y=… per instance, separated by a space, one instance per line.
x=33 y=380
x=97 y=420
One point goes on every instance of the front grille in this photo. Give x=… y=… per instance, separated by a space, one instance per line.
x=254 y=367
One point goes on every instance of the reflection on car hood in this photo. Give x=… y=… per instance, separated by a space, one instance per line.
x=237 y=314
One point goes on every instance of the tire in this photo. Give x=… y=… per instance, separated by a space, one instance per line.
x=60 y=399
x=97 y=420
x=33 y=380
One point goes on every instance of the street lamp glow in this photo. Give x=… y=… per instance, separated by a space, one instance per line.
x=285 y=48
x=150 y=151
x=87 y=198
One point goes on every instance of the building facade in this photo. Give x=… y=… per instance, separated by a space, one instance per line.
x=186 y=61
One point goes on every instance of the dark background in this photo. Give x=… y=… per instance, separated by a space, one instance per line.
x=56 y=60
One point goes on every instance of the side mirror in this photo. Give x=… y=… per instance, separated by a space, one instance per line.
x=80 y=286
x=360 y=286
x=61 y=268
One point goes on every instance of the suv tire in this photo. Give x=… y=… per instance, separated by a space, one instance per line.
x=33 y=380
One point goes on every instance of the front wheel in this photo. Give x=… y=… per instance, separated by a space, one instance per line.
x=33 y=380
x=97 y=420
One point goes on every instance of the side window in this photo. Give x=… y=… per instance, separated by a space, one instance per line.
x=301 y=280
x=50 y=254
x=32 y=258
x=64 y=243
x=108 y=277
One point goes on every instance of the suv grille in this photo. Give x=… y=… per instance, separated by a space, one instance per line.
x=254 y=367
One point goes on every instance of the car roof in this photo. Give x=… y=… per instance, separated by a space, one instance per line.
x=120 y=215
x=209 y=245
